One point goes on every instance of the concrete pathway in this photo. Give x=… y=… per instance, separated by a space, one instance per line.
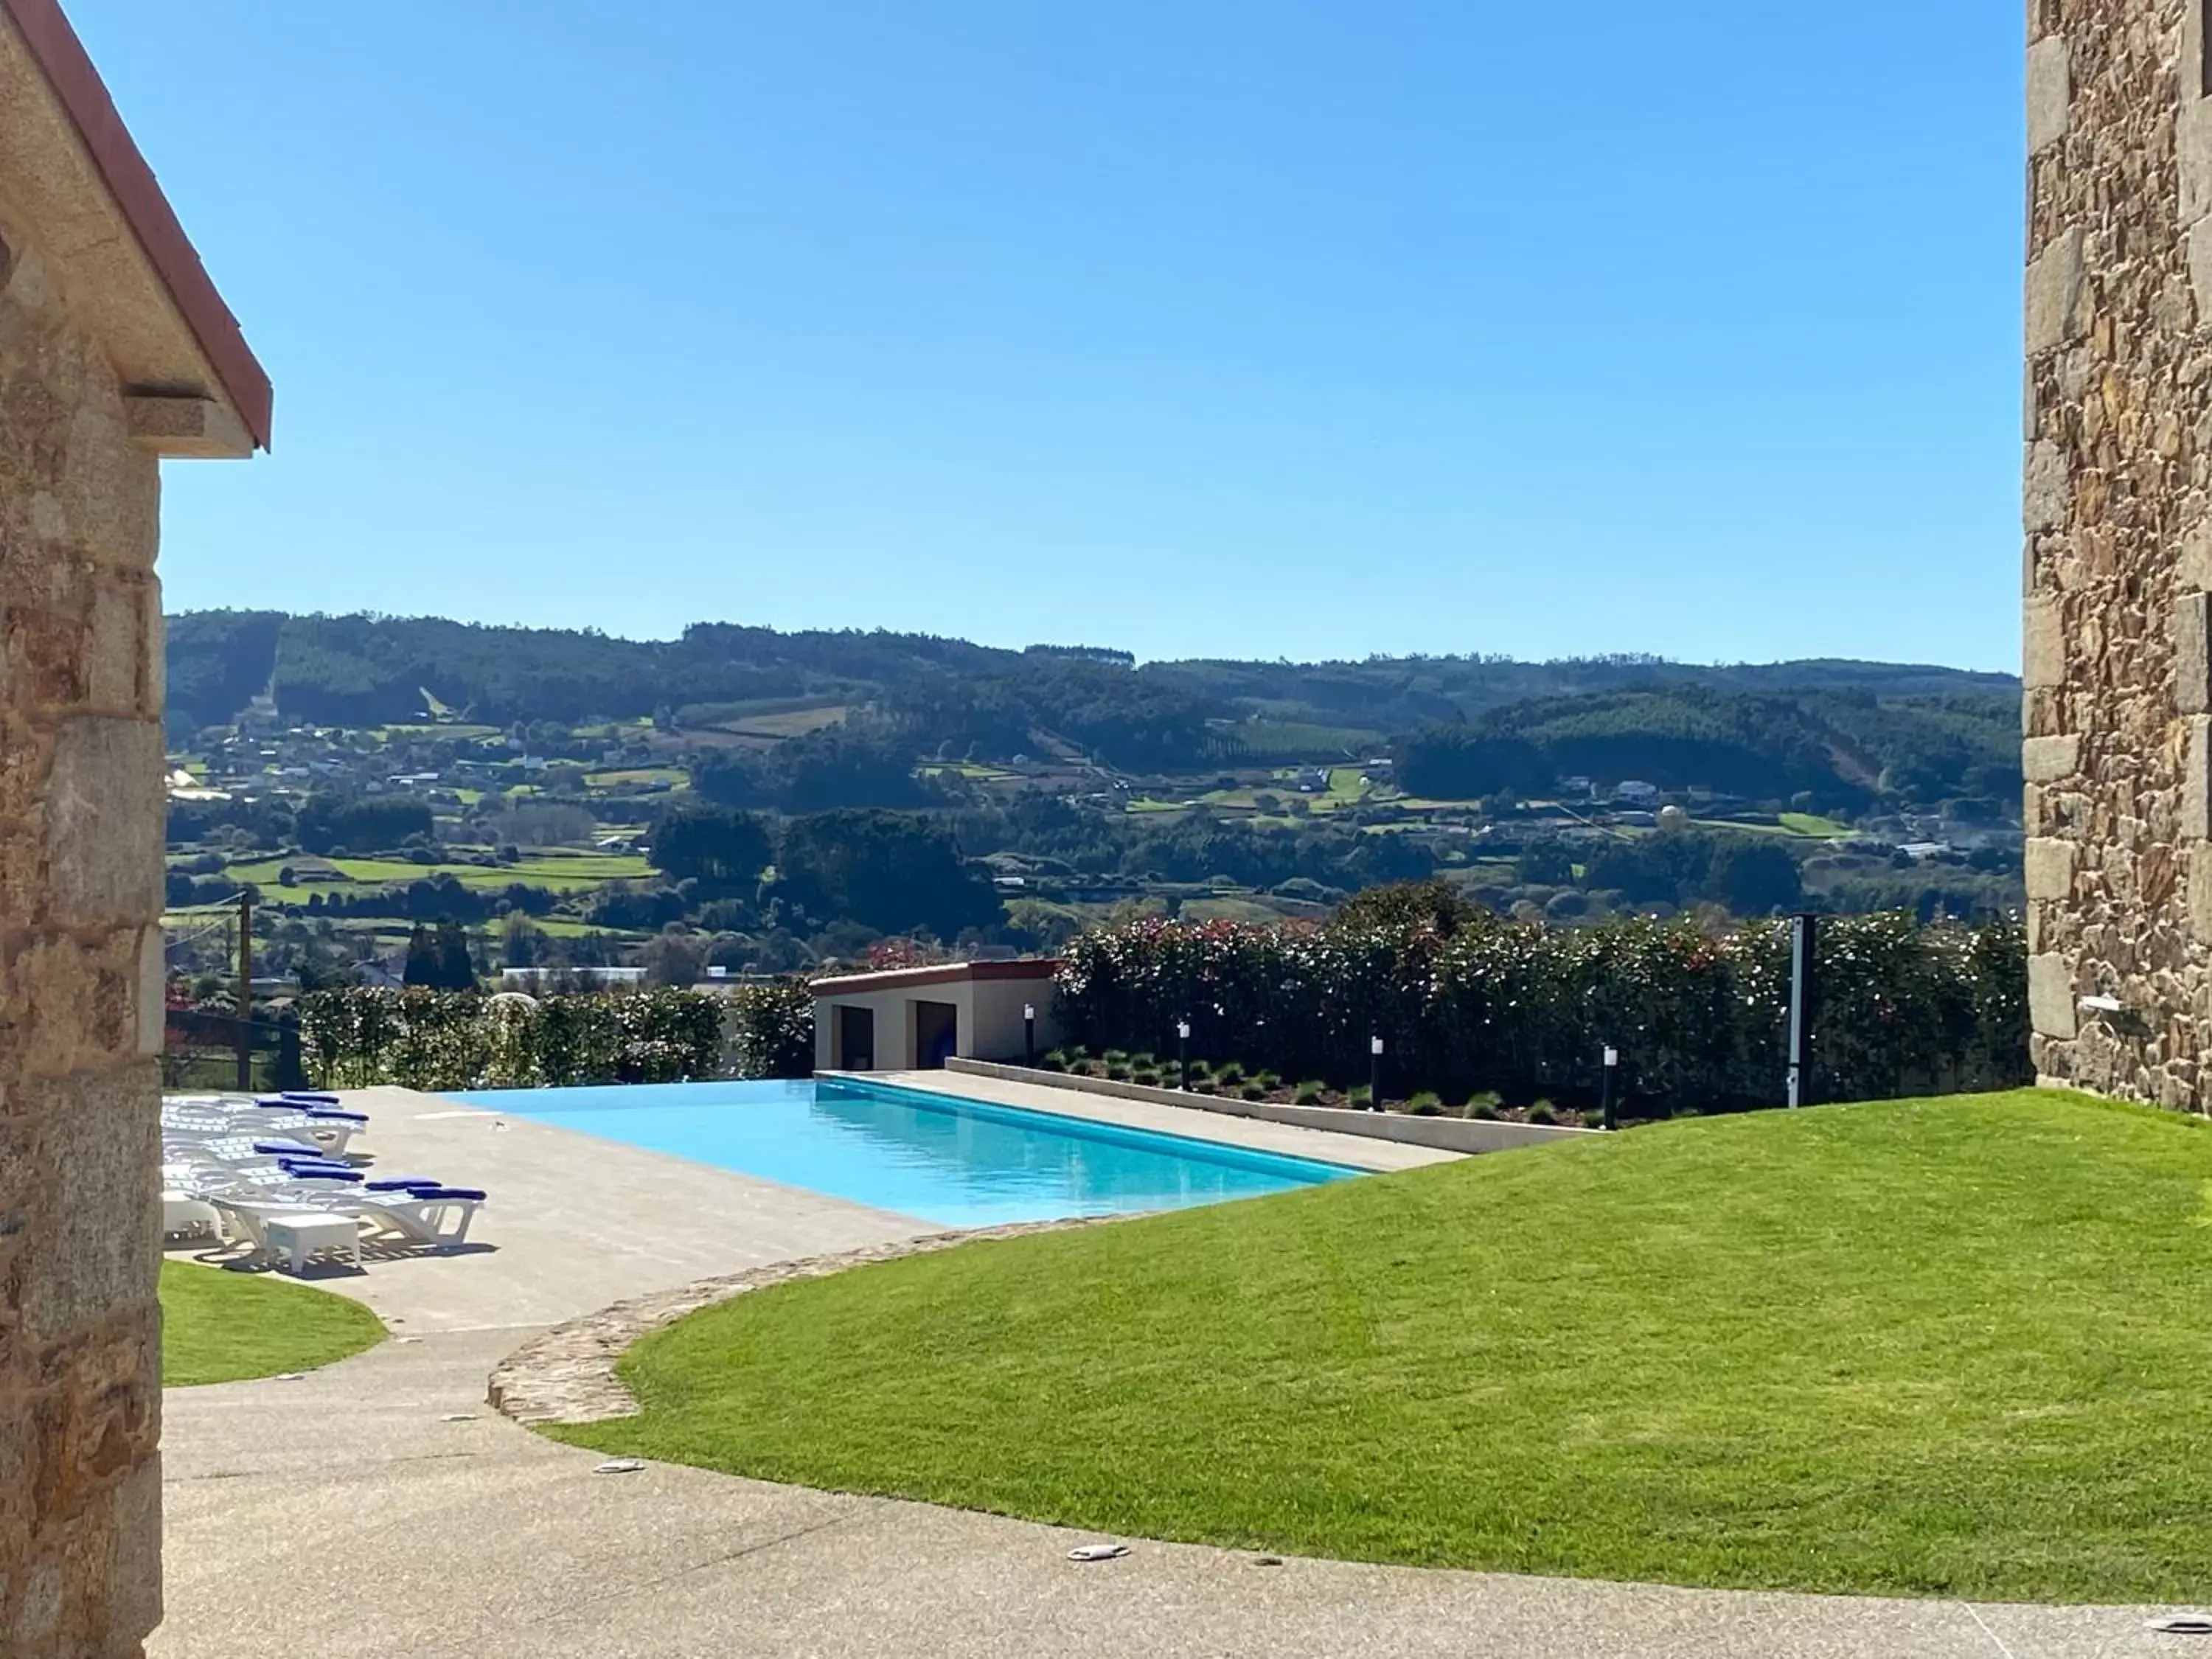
x=379 y=1507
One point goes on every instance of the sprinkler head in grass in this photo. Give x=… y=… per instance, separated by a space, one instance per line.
x=1097 y=1551
x=620 y=1465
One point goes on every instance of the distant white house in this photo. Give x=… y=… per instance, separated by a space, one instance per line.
x=1637 y=793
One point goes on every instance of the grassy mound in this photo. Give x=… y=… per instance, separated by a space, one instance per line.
x=222 y=1327
x=1953 y=1347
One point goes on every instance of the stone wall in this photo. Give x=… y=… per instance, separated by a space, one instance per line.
x=2117 y=707
x=81 y=813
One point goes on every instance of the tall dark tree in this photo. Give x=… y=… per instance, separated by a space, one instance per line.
x=721 y=848
x=894 y=871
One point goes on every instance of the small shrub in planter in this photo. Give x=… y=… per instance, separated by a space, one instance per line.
x=1052 y=1063
x=1427 y=1103
x=1115 y=1056
x=1117 y=1071
x=1204 y=1085
x=1361 y=1097
x=1267 y=1080
x=1147 y=1075
x=1308 y=1093
x=1482 y=1105
x=1229 y=1072
x=1253 y=1091
x=1542 y=1112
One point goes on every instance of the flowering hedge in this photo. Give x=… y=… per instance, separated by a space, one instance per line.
x=772 y=1029
x=423 y=1039
x=1699 y=1019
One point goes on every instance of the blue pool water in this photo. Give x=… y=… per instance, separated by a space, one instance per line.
x=956 y=1162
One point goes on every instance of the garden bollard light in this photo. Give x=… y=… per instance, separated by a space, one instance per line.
x=1182 y=1055
x=1605 y=1086
x=1028 y=1035
x=1375 y=1074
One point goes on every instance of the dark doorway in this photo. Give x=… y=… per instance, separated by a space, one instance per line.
x=936 y=1034
x=856 y=1039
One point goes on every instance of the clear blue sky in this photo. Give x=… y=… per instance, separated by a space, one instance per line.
x=1201 y=327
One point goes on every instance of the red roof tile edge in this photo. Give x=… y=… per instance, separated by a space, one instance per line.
x=61 y=57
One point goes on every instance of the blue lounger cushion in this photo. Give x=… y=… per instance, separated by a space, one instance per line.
x=323 y=1097
x=450 y=1192
x=324 y=1114
x=287 y=1149
x=320 y=1172
x=402 y=1183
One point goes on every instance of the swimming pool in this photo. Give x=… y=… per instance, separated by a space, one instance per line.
x=952 y=1162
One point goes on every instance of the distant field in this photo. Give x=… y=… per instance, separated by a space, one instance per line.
x=674 y=776
x=1229 y=909
x=561 y=872
x=793 y=723
x=1797 y=826
x=1297 y=740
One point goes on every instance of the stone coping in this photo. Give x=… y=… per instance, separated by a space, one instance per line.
x=566 y=1375
x=1449 y=1134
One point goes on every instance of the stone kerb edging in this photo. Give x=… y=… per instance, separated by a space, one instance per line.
x=566 y=1375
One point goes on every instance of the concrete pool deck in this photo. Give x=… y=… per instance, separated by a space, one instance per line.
x=379 y=1506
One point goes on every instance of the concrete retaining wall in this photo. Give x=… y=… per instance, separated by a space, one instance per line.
x=1449 y=1134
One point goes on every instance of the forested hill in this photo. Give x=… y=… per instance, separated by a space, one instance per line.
x=1459 y=724
x=363 y=668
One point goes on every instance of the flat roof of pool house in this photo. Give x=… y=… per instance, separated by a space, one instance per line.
x=946 y=973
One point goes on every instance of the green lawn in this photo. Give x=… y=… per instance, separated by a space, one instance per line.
x=1950 y=1347
x=219 y=1326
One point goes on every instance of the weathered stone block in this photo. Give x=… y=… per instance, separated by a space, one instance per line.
x=2049 y=490
x=2050 y=997
x=2050 y=868
x=152 y=989
x=2050 y=93
x=2190 y=625
x=2055 y=308
x=2195 y=813
x=69 y=1006
x=2200 y=894
x=2193 y=562
x=2044 y=760
x=2193 y=150
x=2042 y=656
x=104 y=814
x=136 y=1533
x=98 y=1139
x=112 y=651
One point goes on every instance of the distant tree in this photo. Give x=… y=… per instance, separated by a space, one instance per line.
x=1434 y=904
x=894 y=871
x=722 y=849
x=521 y=942
x=1754 y=877
x=423 y=967
x=675 y=958
x=456 y=967
x=369 y=823
x=1545 y=864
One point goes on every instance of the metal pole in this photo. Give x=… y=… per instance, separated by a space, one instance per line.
x=1375 y=1074
x=1605 y=1086
x=1801 y=989
x=1182 y=1055
x=1028 y=1035
x=245 y=991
